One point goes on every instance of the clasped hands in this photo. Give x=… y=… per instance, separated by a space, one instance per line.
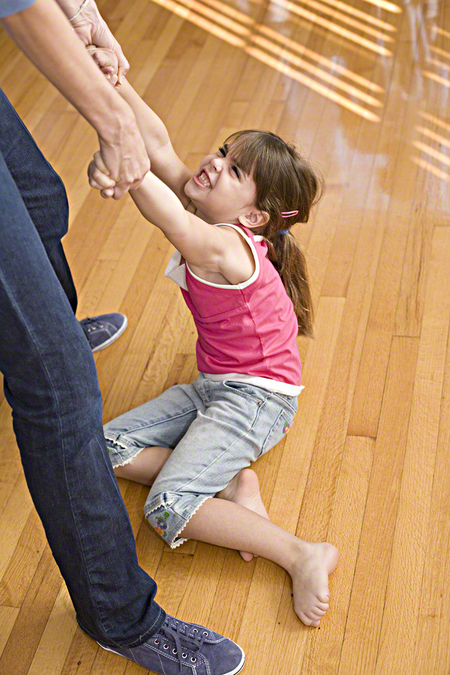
x=94 y=33
x=99 y=177
x=98 y=173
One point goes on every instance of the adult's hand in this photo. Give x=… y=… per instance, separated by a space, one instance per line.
x=126 y=160
x=92 y=29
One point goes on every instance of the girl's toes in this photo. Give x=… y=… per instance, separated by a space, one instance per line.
x=305 y=619
x=310 y=620
x=324 y=598
x=324 y=606
x=246 y=556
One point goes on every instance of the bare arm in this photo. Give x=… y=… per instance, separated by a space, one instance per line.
x=166 y=164
x=200 y=243
x=45 y=36
x=207 y=248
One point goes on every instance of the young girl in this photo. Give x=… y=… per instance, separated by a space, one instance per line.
x=243 y=277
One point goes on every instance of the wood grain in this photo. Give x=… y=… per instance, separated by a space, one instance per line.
x=363 y=91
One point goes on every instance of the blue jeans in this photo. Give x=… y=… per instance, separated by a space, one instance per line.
x=214 y=428
x=52 y=387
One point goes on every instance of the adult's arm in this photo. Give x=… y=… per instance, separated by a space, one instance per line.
x=45 y=36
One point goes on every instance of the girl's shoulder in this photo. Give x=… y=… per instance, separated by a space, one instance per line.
x=236 y=262
x=240 y=259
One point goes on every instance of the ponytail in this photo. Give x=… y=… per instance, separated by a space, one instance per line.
x=288 y=258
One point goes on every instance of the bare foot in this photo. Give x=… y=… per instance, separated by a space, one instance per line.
x=309 y=574
x=244 y=490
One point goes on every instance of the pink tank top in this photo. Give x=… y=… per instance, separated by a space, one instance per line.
x=250 y=328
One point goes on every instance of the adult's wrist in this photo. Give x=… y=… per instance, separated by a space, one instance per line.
x=71 y=7
x=112 y=123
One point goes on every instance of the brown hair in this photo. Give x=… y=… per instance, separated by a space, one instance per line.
x=285 y=182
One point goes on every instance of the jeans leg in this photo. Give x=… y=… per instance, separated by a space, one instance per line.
x=42 y=191
x=52 y=387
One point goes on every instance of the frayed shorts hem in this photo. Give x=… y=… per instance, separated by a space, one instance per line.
x=120 y=453
x=166 y=521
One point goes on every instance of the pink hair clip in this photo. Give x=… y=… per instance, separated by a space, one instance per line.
x=288 y=214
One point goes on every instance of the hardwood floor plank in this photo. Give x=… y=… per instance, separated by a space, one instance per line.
x=10 y=466
x=432 y=647
x=139 y=344
x=261 y=609
x=402 y=606
x=23 y=563
x=8 y=616
x=13 y=520
x=81 y=655
x=203 y=582
x=365 y=612
x=31 y=621
x=165 y=347
x=114 y=294
x=172 y=577
x=56 y=638
x=371 y=377
x=323 y=650
x=232 y=595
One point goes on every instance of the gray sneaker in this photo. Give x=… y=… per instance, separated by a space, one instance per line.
x=101 y=331
x=181 y=648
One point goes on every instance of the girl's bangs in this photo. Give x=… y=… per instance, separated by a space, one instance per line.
x=246 y=149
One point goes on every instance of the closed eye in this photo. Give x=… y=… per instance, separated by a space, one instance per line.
x=223 y=153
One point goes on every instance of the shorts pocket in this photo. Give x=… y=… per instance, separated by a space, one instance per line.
x=247 y=391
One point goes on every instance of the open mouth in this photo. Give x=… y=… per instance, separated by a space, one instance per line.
x=203 y=180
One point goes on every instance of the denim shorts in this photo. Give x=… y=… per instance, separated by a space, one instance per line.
x=214 y=428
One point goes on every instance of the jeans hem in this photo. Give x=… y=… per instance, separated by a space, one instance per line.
x=157 y=623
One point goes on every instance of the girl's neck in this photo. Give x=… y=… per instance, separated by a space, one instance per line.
x=193 y=209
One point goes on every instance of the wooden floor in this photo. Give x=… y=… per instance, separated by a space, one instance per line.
x=362 y=86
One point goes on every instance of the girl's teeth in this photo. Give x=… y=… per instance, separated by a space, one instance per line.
x=203 y=178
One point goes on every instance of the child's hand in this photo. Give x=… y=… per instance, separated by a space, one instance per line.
x=107 y=61
x=99 y=177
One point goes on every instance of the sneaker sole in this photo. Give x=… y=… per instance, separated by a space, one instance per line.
x=113 y=338
x=230 y=672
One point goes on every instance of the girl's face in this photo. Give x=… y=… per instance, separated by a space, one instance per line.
x=220 y=189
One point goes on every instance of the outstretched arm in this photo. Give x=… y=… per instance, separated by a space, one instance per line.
x=200 y=243
x=166 y=164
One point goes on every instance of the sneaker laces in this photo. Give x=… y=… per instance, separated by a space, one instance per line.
x=91 y=324
x=177 y=632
